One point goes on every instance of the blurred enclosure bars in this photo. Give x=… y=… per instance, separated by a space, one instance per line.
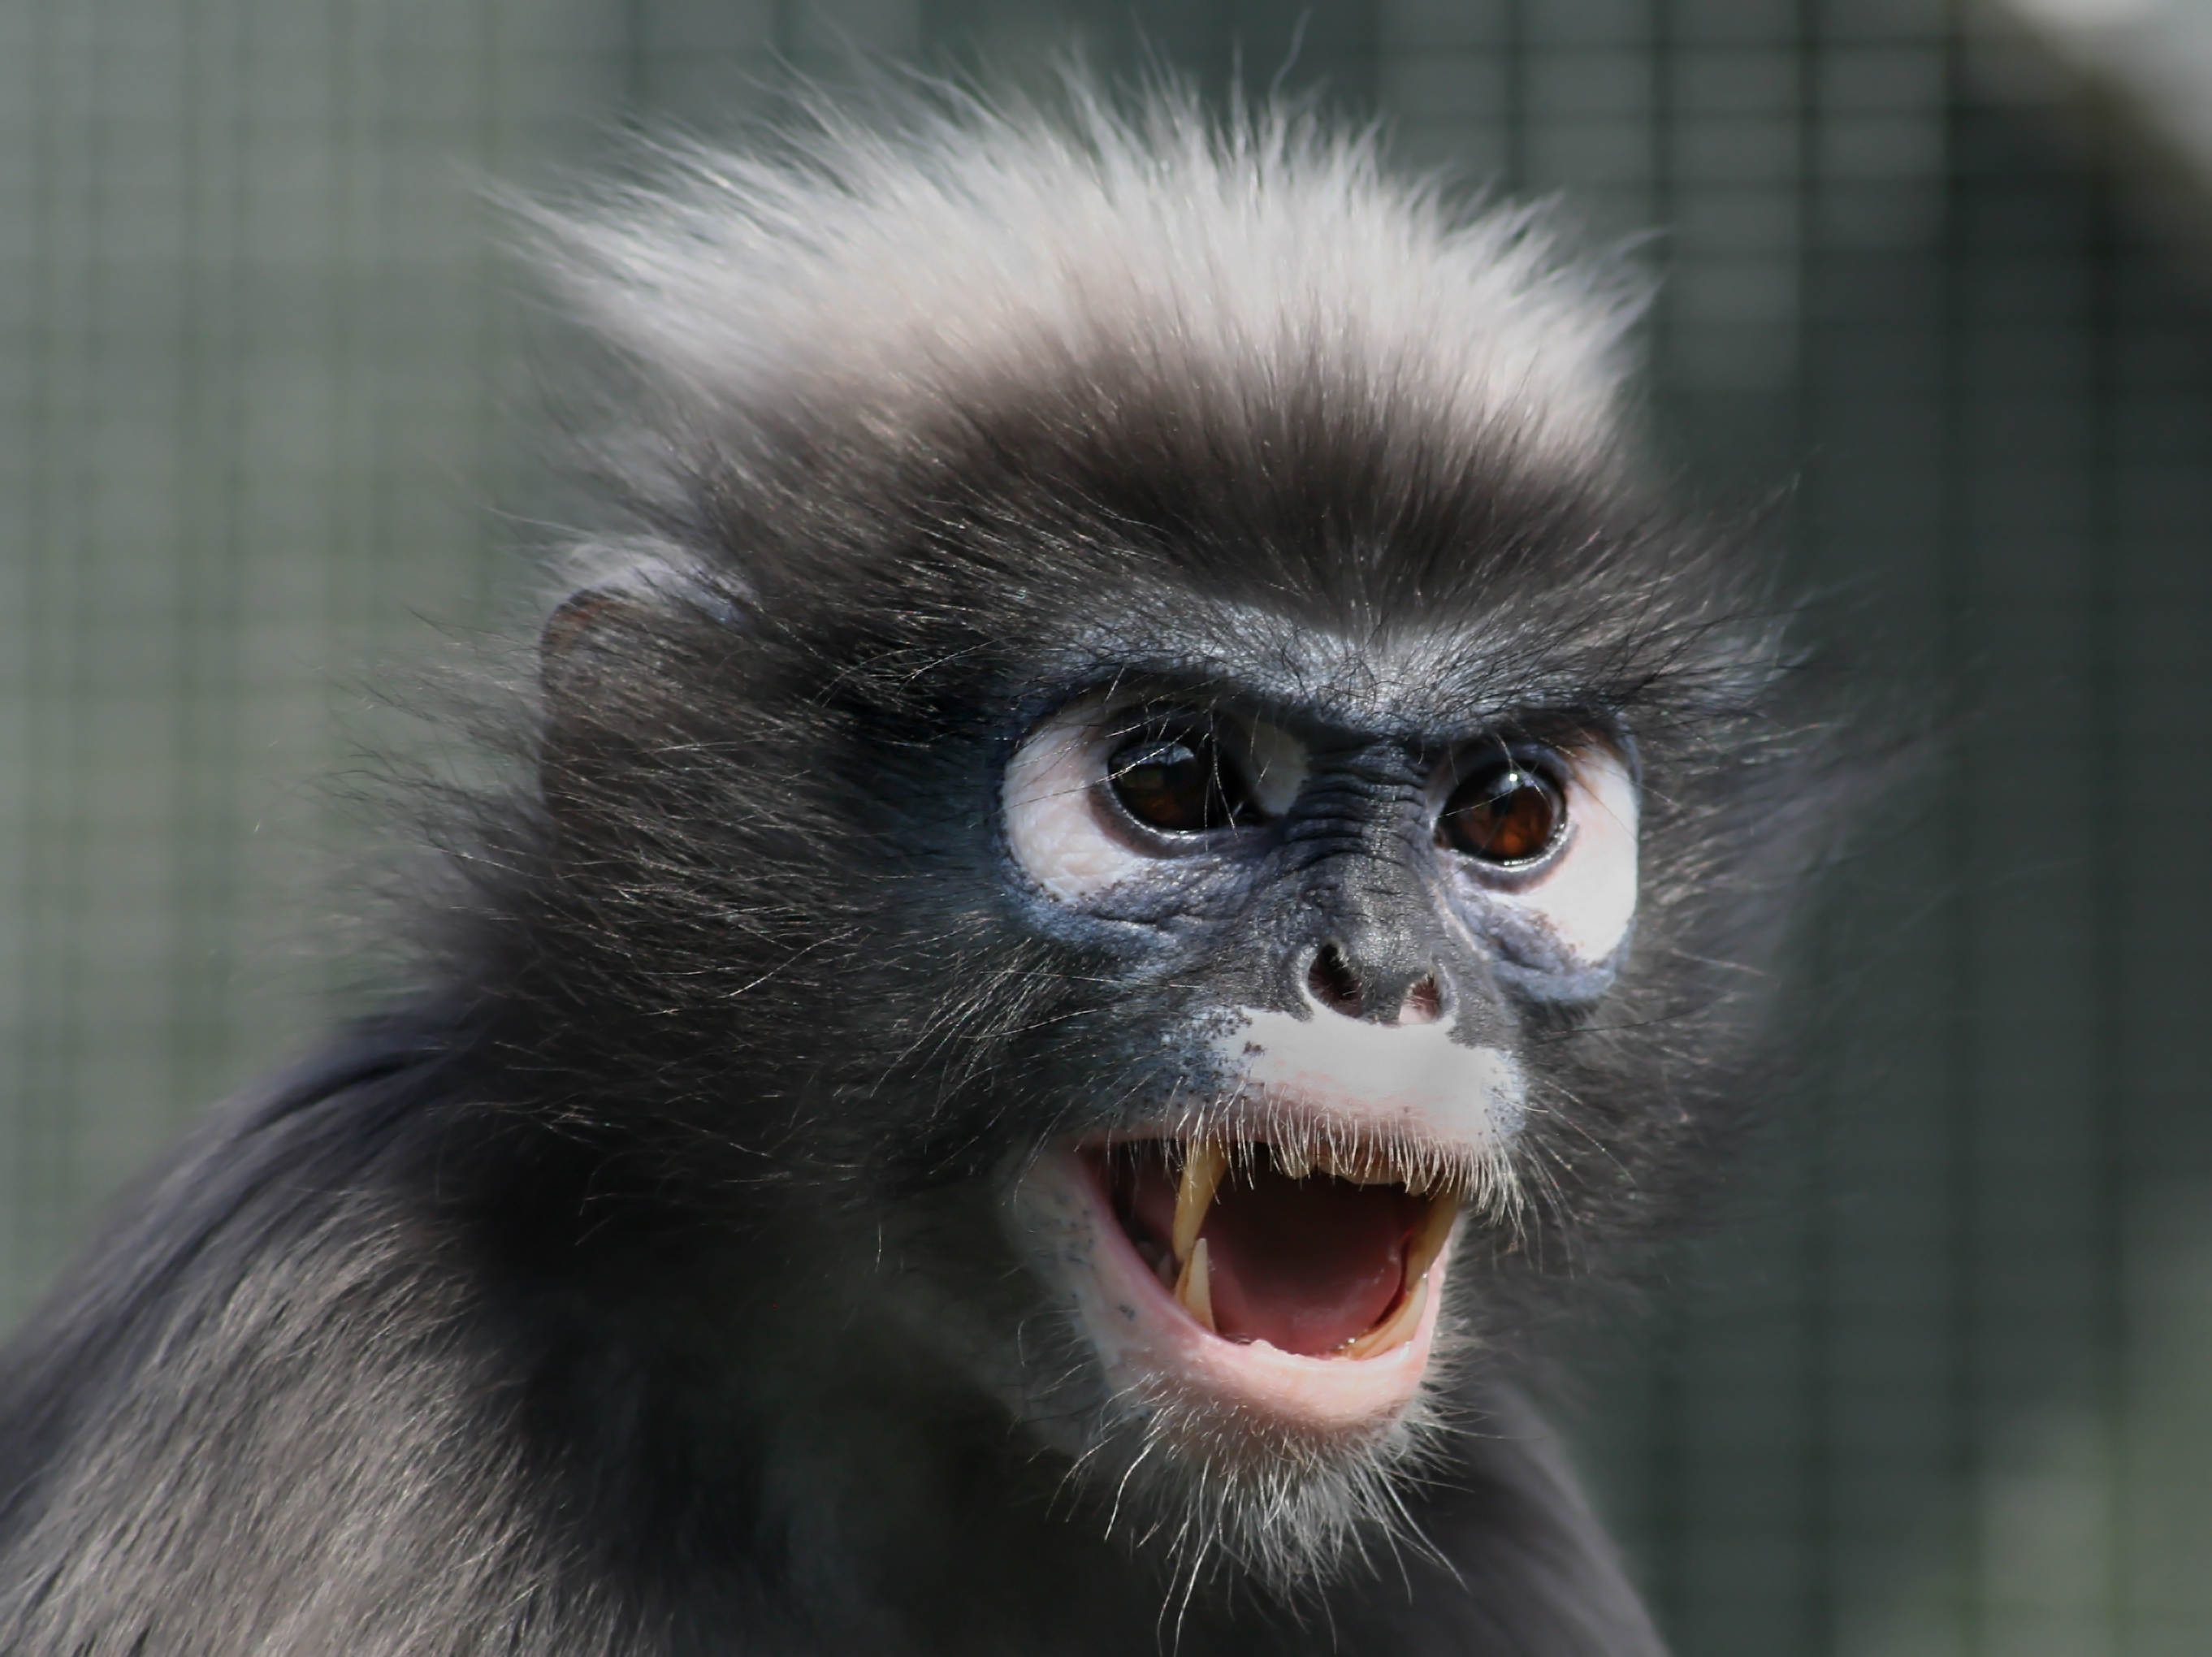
x=1949 y=269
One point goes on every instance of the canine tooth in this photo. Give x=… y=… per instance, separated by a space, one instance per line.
x=1429 y=1242
x=1194 y=1288
x=1204 y=1163
x=1398 y=1330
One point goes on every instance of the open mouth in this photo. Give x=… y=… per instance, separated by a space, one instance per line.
x=1277 y=1290
x=1320 y=1257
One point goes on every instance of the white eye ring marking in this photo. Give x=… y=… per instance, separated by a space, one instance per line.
x=1585 y=893
x=1052 y=811
x=1052 y=802
x=1276 y=762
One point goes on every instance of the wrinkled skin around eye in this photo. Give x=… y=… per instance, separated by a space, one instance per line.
x=1057 y=822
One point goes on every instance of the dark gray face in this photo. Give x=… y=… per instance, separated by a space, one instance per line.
x=1351 y=886
x=1393 y=876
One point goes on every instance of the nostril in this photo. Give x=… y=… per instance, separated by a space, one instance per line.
x=1424 y=1003
x=1332 y=982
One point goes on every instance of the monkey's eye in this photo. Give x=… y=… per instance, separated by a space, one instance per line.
x=1506 y=813
x=1172 y=775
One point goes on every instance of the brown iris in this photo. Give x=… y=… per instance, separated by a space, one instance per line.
x=1507 y=813
x=1170 y=775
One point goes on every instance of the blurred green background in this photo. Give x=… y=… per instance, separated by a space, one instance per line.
x=1947 y=1390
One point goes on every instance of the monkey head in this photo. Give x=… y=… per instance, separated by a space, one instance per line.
x=1150 y=817
x=1342 y=881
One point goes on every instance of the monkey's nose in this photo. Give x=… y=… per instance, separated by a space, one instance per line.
x=1335 y=984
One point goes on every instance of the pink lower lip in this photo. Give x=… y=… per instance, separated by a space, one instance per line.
x=1150 y=1343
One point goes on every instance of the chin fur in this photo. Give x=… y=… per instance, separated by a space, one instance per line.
x=1224 y=1502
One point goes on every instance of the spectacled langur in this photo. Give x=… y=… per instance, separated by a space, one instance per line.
x=1145 y=830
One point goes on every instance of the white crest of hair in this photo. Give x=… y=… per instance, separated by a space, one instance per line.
x=877 y=265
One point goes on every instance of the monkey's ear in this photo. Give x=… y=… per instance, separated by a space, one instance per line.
x=622 y=631
x=577 y=631
x=593 y=643
x=605 y=669
x=620 y=663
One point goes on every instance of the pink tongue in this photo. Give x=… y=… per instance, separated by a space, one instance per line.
x=1305 y=1265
